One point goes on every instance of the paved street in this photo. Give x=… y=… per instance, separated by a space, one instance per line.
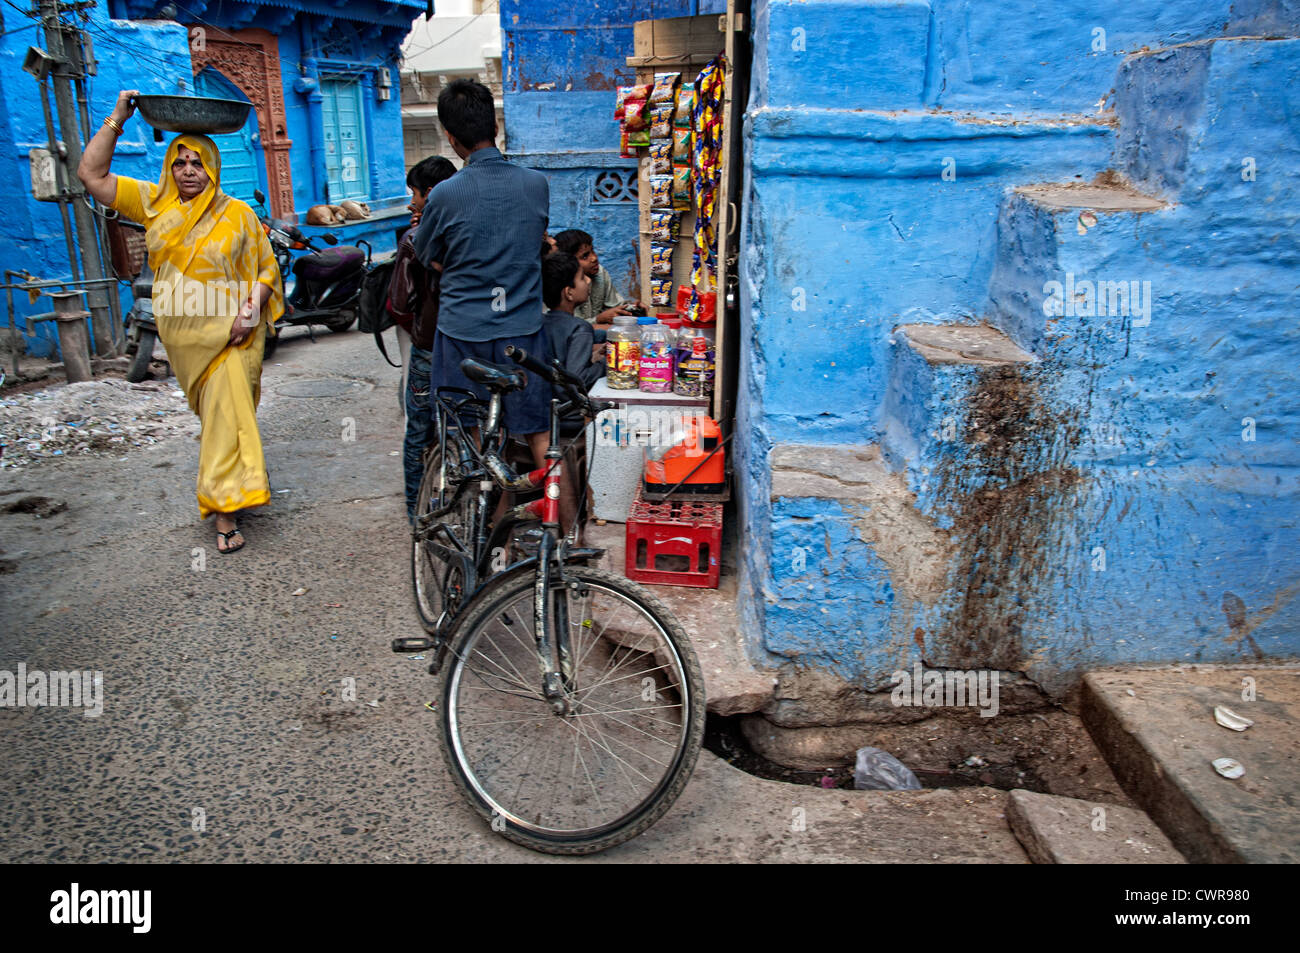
x=222 y=689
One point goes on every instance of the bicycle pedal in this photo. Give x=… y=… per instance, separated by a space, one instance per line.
x=417 y=643
x=434 y=666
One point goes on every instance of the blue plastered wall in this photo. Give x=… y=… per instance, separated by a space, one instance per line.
x=31 y=236
x=1127 y=494
x=153 y=56
x=563 y=63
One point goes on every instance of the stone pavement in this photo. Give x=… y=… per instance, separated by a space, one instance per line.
x=222 y=701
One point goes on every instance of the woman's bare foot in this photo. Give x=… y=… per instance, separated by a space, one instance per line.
x=229 y=539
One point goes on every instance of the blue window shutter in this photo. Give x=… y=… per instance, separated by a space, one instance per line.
x=346 y=165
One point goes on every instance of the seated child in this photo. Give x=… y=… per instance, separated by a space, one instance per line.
x=604 y=302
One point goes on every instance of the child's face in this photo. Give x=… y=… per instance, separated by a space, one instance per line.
x=590 y=263
x=580 y=290
x=418 y=199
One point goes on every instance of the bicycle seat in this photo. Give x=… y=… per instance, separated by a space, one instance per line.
x=496 y=377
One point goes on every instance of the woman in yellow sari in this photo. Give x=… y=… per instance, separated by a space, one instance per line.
x=216 y=294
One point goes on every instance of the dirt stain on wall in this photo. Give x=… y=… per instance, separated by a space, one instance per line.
x=1013 y=491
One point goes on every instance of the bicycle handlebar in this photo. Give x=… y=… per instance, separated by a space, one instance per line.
x=557 y=375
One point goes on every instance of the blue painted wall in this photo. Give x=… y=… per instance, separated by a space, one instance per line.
x=563 y=63
x=153 y=55
x=1098 y=505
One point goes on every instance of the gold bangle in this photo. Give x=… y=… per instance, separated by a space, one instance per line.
x=113 y=124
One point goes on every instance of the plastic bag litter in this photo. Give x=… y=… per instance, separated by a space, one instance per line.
x=878 y=770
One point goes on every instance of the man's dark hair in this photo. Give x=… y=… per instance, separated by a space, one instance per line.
x=466 y=110
x=571 y=240
x=428 y=172
x=559 y=270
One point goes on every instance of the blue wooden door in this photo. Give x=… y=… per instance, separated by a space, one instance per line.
x=242 y=166
x=346 y=168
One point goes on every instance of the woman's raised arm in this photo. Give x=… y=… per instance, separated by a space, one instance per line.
x=94 y=168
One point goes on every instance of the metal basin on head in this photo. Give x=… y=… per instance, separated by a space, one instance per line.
x=193 y=113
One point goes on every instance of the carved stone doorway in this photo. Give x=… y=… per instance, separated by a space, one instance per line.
x=251 y=60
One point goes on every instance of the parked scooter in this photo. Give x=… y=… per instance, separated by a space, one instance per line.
x=326 y=284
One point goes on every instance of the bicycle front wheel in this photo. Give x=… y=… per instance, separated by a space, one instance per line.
x=610 y=766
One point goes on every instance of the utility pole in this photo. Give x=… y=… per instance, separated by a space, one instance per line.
x=61 y=76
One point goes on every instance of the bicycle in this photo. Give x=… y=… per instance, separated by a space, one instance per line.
x=572 y=706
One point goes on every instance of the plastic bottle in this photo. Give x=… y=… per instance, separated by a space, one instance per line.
x=656 y=357
x=693 y=353
x=622 y=353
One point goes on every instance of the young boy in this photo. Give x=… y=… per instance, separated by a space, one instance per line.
x=565 y=287
x=413 y=301
x=604 y=301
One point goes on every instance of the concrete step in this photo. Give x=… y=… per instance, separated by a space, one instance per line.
x=1158 y=731
x=1066 y=830
x=1190 y=115
x=1068 y=259
x=936 y=368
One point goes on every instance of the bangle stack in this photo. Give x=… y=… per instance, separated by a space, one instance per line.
x=113 y=124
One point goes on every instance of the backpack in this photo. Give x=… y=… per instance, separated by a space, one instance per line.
x=373 y=316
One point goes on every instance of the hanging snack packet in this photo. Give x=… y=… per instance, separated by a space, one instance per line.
x=685 y=103
x=639 y=138
x=664 y=226
x=634 y=114
x=661 y=121
x=661 y=157
x=681 y=187
x=665 y=87
x=621 y=100
x=661 y=259
x=661 y=291
x=681 y=145
x=661 y=191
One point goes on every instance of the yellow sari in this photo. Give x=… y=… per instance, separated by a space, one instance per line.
x=207 y=255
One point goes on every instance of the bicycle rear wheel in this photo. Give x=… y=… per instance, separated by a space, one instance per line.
x=604 y=772
x=439 y=583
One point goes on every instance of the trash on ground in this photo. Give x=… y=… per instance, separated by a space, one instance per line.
x=415 y=658
x=373 y=704
x=89 y=417
x=878 y=770
x=1228 y=767
x=1230 y=719
x=300 y=591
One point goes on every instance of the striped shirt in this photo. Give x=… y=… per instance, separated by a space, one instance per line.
x=485 y=225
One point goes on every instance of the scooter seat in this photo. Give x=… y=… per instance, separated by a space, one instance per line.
x=496 y=377
x=329 y=263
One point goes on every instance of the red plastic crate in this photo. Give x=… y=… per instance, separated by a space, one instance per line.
x=674 y=543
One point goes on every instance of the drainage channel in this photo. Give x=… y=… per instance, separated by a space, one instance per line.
x=1047 y=751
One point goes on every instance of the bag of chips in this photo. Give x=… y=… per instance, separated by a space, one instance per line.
x=664 y=226
x=661 y=157
x=620 y=100
x=639 y=138
x=661 y=121
x=661 y=259
x=681 y=187
x=681 y=145
x=665 y=87
x=661 y=292
x=634 y=115
x=661 y=191
x=685 y=103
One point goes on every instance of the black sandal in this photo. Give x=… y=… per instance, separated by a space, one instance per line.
x=226 y=536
